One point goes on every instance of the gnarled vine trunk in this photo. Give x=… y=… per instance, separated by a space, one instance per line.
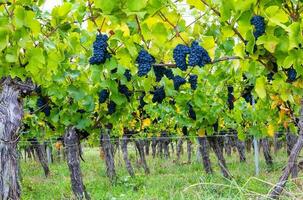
x=189 y=150
x=179 y=148
x=108 y=150
x=154 y=146
x=40 y=152
x=140 y=146
x=266 y=152
x=128 y=164
x=11 y=113
x=205 y=154
x=292 y=160
x=72 y=143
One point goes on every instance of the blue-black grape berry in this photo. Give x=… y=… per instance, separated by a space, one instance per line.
x=169 y=74
x=41 y=102
x=230 y=101
x=191 y=112
x=128 y=75
x=230 y=89
x=142 y=102
x=100 y=53
x=46 y=110
x=103 y=95
x=145 y=62
x=159 y=95
x=111 y=107
x=247 y=94
x=259 y=24
x=178 y=81
x=123 y=89
x=179 y=54
x=159 y=72
x=185 y=131
x=198 y=55
x=193 y=79
x=291 y=75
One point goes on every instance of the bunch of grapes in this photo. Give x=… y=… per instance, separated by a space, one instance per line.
x=178 y=81
x=42 y=104
x=259 y=24
x=291 y=75
x=111 y=107
x=185 y=131
x=145 y=62
x=123 y=89
x=191 y=112
x=247 y=94
x=158 y=95
x=230 y=97
x=159 y=72
x=100 y=53
x=193 y=79
x=103 y=95
x=128 y=75
x=216 y=126
x=198 y=55
x=179 y=54
x=169 y=74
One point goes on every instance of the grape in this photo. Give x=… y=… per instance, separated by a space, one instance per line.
x=111 y=107
x=191 y=112
x=103 y=95
x=40 y=102
x=159 y=95
x=128 y=75
x=259 y=24
x=198 y=55
x=47 y=110
x=184 y=130
x=159 y=72
x=123 y=89
x=247 y=94
x=230 y=89
x=179 y=54
x=178 y=81
x=142 y=102
x=81 y=111
x=216 y=126
x=291 y=74
x=38 y=90
x=230 y=101
x=169 y=74
x=193 y=81
x=100 y=53
x=145 y=61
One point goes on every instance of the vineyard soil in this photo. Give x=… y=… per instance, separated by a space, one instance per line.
x=167 y=180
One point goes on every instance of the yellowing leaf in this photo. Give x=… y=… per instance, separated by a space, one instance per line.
x=197 y=4
x=201 y=132
x=260 y=87
x=146 y=123
x=271 y=130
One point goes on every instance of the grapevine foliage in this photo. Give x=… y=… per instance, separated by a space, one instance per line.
x=198 y=55
x=159 y=95
x=178 y=81
x=180 y=52
x=142 y=102
x=193 y=81
x=259 y=24
x=100 y=53
x=145 y=62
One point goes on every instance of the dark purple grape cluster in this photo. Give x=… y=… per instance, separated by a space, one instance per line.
x=247 y=94
x=259 y=24
x=42 y=104
x=169 y=74
x=198 y=55
x=127 y=75
x=123 y=89
x=185 y=131
x=159 y=72
x=230 y=97
x=216 y=126
x=191 y=112
x=145 y=62
x=103 y=95
x=193 y=80
x=178 y=81
x=111 y=107
x=291 y=75
x=100 y=53
x=179 y=54
x=158 y=95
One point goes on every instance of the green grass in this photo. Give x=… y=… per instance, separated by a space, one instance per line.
x=166 y=181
